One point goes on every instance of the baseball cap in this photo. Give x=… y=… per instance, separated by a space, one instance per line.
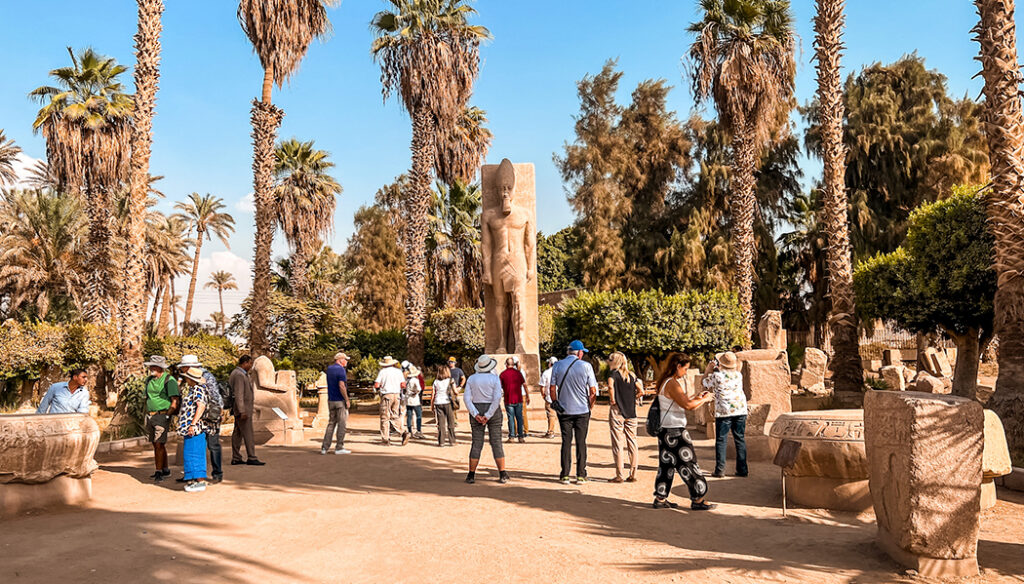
x=578 y=346
x=340 y=356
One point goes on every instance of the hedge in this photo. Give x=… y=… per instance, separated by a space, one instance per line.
x=216 y=353
x=26 y=350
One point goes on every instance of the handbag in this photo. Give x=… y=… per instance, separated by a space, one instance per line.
x=554 y=403
x=654 y=416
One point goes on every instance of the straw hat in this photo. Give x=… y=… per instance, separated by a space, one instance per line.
x=388 y=361
x=157 y=361
x=485 y=364
x=190 y=361
x=728 y=361
x=413 y=371
x=193 y=374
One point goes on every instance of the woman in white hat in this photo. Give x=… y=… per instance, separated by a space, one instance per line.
x=413 y=403
x=483 y=400
x=726 y=382
x=192 y=428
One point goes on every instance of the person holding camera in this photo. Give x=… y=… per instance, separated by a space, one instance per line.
x=725 y=381
x=675 y=448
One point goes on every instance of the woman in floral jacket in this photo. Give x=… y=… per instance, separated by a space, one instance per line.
x=726 y=382
x=192 y=428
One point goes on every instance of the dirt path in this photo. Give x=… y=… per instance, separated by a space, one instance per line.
x=397 y=515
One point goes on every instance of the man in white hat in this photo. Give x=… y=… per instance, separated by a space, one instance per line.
x=545 y=381
x=162 y=400
x=390 y=383
x=483 y=400
x=337 y=403
x=213 y=433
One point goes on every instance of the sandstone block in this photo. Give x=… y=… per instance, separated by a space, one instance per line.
x=770 y=331
x=767 y=382
x=813 y=371
x=37 y=448
x=892 y=357
x=924 y=456
x=937 y=363
x=929 y=384
x=761 y=355
x=996 y=457
x=893 y=376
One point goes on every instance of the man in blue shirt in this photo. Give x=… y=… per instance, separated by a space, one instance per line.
x=337 y=403
x=574 y=386
x=67 y=397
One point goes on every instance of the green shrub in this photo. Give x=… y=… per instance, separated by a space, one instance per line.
x=460 y=332
x=304 y=377
x=27 y=349
x=796 y=355
x=134 y=396
x=317 y=359
x=365 y=371
x=217 y=354
x=390 y=342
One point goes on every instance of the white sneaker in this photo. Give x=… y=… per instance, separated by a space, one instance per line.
x=343 y=451
x=195 y=487
x=323 y=451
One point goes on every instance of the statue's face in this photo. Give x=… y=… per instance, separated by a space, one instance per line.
x=506 y=198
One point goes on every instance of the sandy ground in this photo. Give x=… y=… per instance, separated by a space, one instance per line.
x=400 y=515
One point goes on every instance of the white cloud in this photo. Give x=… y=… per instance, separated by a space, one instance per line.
x=23 y=164
x=206 y=301
x=246 y=204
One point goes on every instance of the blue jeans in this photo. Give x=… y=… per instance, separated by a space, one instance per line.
x=738 y=426
x=409 y=411
x=515 y=420
x=194 y=451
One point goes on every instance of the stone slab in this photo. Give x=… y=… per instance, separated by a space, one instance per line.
x=767 y=382
x=770 y=331
x=17 y=498
x=924 y=454
x=892 y=357
x=996 y=456
x=813 y=370
x=894 y=378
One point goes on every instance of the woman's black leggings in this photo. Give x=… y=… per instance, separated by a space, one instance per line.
x=676 y=455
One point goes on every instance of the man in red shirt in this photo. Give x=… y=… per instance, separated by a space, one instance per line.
x=512 y=382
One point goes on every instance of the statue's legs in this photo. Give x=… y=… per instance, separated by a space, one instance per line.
x=518 y=321
x=500 y=311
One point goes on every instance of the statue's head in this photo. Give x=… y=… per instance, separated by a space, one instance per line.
x=506 y=184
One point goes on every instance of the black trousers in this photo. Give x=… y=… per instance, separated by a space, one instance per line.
x=574 y=427
x=213 y=445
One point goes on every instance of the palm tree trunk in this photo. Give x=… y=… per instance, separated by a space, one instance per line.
x=220 y=298
x=165 y=308
x=847 y=372
x=741 y=206
x=265 y=120
x=174 y=309
x=996 y=34
x=416 y=228
x=132 y=303
x=157 y=295
x=195 y=276
x=299 y=281
x=268 y=85
x=97 y=308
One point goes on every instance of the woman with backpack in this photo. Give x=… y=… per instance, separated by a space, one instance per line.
x=667 y=420
x=624 y=389
x=193 y=428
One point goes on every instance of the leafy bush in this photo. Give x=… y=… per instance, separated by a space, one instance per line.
x=304 y=377
x=389 y=342
x=365 y=371
x=217 y=354
x=652 y=324
x=27 y=349
x=134 y=396
x=461 y=332
x=294 y=324
x=317 y=359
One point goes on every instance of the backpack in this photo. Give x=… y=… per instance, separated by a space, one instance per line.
x=214 y=403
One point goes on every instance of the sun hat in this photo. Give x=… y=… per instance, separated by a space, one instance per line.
x=413 y=371
x=452 y=360
x=728 y=361
x=340 y=356
x=406 y=365
x=190 y=361
x=388 y=361
x=157 y=361
x=578 y=346
x=485 y=364
x=193 y=374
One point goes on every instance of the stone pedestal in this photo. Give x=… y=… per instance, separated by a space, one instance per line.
x=925 y=457
x=323 y=412
x=813 y=371
x=46 y=460
x=995 y=458
x=831 y=470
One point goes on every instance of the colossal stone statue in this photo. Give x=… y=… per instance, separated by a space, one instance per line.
x=509 y=251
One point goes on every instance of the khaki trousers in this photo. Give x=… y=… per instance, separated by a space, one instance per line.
x=623 y=434
x=552 y=418
x=390 y=416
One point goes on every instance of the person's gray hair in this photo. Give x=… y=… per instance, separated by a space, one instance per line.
x=570 y=352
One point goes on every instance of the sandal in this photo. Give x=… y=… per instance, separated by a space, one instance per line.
x=702 y=506
x=664 y=504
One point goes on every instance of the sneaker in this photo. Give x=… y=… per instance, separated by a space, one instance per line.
x=522 y=439
x=234 y=462
x=503 y=477
x=323 y=451
x=741 y=475
x=702 y=506
x=181 y=480
x=718 y=474
x=405 y=438
x=255 y=462
x=157 y=476
x=565 y=480
x=195 y=487
x=342 y=451
x=616 y=480
x=510 y=440
x=548 y=435
x=581 y=480
x=385 y=443
x=166 y=472
x=664 y=504
x=216 y=479
x=471 y=478
x=419 y=436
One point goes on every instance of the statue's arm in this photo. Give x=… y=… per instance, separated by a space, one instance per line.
x=531 y=246
x=485 y=248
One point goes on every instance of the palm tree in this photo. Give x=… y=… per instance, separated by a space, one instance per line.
x=996 y=33
x=454 y=245
x=280 y=32
x=743 y=62
x=86 y=122
x=203 y=214
x=429 y=55
x=305 y=195
x=462 y=147
x=41 y=237
x=221 y=281
x=847 y=373
x=219 y=322
x=167 y=251
x=8 y=153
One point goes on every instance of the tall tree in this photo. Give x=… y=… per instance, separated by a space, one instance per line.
x=86 y=122
x=429 y=55
x=592 y=165
x=147 y=79
x=173 y=261
x=280 y=32
x=847 y=373
x=204 y=215
x=996 y=33
x=377 y=264
x=453 y=246
x=462 y=146
x=743 y=61
x=221 y=281
x=305 y=195
x=8 y=153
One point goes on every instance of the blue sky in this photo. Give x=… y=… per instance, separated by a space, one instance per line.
x=527 y=85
